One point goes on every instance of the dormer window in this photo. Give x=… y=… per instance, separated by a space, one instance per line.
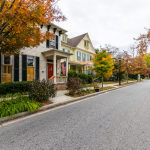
x=86 y=44
x=64 y=38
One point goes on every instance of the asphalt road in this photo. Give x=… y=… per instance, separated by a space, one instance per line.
x=118 y=120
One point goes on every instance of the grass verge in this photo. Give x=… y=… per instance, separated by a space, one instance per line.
x=87 y=92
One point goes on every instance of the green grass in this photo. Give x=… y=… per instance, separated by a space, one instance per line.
x=13 y=94
x=18 y=105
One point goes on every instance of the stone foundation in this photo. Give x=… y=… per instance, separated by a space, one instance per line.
x=60 y=86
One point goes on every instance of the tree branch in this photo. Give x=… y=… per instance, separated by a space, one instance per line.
x=2 y=5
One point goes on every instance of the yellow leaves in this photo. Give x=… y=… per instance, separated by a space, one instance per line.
x=108 y=74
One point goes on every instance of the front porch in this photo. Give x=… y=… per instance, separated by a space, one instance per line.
x=53 y=58
x=81 y=67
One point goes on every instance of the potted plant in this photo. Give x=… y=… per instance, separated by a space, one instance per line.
x=97 y=87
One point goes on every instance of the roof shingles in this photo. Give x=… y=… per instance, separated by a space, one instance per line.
x=73 y=42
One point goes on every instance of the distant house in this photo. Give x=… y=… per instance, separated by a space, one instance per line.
x=83 y=50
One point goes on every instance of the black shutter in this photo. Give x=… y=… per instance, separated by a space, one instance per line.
x=37 y=67
x=0 y=69
x=16 y=68
x=47 y=43
x=56 y=37
x=24 y=67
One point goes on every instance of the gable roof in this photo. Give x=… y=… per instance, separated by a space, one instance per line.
x=73 y=42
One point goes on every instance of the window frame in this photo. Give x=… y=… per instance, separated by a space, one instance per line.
x=33 y=58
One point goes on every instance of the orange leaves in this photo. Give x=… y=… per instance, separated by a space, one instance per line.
x=20 y=20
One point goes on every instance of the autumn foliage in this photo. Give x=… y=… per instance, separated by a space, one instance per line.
x=20 y=21
x=103 y=64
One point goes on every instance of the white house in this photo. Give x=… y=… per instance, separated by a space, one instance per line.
x=42 y=62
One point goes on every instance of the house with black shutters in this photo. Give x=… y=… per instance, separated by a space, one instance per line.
x=42 y=62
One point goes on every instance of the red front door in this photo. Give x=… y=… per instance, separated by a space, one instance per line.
x=50 y=70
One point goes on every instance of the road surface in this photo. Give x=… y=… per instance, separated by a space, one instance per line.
x=118 y=120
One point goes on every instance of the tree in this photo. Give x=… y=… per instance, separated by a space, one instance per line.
x=147 y=59
x=103 y=64
x=96 y=50
x=111 y=49
x=20 y=21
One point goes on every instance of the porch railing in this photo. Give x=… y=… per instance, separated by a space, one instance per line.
x=59 y=79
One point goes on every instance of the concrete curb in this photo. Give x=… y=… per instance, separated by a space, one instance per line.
x=62 y=103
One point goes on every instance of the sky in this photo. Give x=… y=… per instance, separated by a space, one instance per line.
x=114 y=22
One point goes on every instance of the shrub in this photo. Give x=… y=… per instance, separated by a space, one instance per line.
x=41 y=90
x=90 y=78
x=96 y=80
x=83 y=77
x=71 y=93
x=17 y=105
x=74 y=84
x=14 y=87
x=71 y=74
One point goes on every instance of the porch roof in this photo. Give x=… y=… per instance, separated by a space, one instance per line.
x=89 y=63
x=59 y=53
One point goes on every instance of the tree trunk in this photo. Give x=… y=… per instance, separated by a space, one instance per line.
x=102 y=83
x=127 y=76
x=140 y=77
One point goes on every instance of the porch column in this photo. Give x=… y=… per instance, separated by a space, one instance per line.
x=54 y=67
x=67 y=66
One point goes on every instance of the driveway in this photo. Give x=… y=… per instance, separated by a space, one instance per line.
x=118 y=120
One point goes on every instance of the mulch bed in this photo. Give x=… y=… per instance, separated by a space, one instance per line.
x=44 y=103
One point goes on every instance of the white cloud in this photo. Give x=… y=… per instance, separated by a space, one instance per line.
x=114 y=22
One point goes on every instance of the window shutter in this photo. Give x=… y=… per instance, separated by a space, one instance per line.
x=77 y=55
x=82 y=56
x=0 y=68
x=24 y=67
x=85 y=57
x=37 y=68
x=56 y=37
x=47 y=43
x=16 y=67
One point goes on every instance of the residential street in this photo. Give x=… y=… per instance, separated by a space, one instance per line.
x=118 y=120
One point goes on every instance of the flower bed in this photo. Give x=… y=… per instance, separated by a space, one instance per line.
x=18 y=105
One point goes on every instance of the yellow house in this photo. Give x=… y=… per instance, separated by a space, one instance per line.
x=83 y=51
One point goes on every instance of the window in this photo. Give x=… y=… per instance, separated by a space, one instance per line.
x=65 y=50
x=65 y=39
x=7 y=60
x=30 y=61
x=52 y=42
x=83 y=57
x=88 y=57
x=86 y=44
x=78 y=56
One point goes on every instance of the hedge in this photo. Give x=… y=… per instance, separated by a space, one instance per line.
x=14 y=87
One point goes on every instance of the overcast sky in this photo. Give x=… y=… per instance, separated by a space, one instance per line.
x=114 y=22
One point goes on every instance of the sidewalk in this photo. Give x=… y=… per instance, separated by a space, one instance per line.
x=61 y=97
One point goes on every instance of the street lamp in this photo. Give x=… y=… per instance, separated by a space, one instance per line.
x=119 y=58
